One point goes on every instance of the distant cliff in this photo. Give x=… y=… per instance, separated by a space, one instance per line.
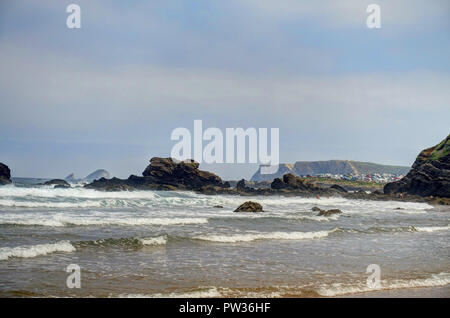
x=429 y=175
x=100 y=173
x=345 y=167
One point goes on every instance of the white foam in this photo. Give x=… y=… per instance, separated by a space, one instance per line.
x=431 y=228
x=264 y=236
x=207 y=293
x=35 y=250
x=59 y=220
x=159 y=240
x=337 y=289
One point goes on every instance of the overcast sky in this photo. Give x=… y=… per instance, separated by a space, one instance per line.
x=108 y=95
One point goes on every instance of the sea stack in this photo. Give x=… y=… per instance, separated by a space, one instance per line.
x=5 y=174
x=429 y=175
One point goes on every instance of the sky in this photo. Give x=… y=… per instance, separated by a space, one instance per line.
x=108 y=95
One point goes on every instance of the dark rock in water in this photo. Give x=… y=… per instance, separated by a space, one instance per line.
x=226 y=185
x=377 y=192
x=249 y=206
x=5 y=174
x=429 y=175
x=329 y=212
x=338 y=188
x=167 y=171
x=58 y=182
x=165 y=174
x=218 y=207
x=325 y=212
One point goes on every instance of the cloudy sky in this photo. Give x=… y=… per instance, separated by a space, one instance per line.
x=108 y=95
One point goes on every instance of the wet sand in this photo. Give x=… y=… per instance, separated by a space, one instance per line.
x=425 y=292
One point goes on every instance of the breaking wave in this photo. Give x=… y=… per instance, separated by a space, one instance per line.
x=65 y=220
x=35 y=250
x=337 y=289
x=432 y=228
x=263 y=236
x=202 y=293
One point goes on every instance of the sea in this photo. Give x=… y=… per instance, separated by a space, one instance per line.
x=181 y=244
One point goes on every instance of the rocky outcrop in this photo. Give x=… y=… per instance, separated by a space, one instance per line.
x=164 y=174
x=429 y=175
x=292 y=182
x=250 y=206
x=5 y=174
x=167 y=171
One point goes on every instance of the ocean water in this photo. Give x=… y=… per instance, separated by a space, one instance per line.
x=177 y=244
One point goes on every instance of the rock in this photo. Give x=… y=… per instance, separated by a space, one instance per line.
x=57 y=182
x=241 y=184
x=429 y=175
x=338 y=188
x=166 y=174
x=226 y=185
x=329 y=212
x=218 y=207
x=315 y=209
x=249 y=206
x=5 y=174
x=292 y=182
x=277 y=184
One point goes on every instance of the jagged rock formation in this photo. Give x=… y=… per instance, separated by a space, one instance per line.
x=344 y=167
x=292 y=182
x=5 y=174
x=429 y=175
x=164 y=174
x=250 y=206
